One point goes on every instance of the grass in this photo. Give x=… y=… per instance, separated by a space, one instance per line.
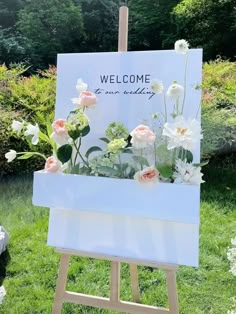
x=29 y=269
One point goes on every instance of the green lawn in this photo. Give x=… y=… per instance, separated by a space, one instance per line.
x=31 y=271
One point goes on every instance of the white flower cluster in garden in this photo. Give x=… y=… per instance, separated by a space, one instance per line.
x=231 y=254
x=2 y=294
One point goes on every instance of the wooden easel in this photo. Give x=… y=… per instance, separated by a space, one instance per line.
x=114 y=303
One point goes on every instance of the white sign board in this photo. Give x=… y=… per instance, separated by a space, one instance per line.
x=121 y=82
x=117 y=216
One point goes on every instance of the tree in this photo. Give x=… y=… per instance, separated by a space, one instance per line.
x=100 y=24
x=8 y=12
x=209 y=24
x=51 y=27
x=151 y=25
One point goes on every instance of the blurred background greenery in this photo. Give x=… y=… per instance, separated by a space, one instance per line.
x=32 y=32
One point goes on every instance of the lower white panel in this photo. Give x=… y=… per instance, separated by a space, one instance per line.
x=133 y=237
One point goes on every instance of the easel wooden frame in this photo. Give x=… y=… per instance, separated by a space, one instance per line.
x=114 y=302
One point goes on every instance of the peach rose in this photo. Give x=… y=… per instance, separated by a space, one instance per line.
x=148 y=175
x=142 y=136
x=59 y=127
x=87 y=99
x=52 y=164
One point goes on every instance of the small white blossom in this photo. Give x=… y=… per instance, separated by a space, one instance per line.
x=157 y=86
x=233 y=242
x=182 y=133
x=187 y=173
x=76 y=101
x=175 y=91
x=81 y=86
x=11 y=155
x=2 y=294
x=231 y=255
x=181 y=46
x=33 y=130
x=17 y=126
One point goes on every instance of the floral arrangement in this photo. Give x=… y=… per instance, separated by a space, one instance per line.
x=148 y=154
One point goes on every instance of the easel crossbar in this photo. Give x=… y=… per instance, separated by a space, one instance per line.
x=105 y=303
x=120 y=259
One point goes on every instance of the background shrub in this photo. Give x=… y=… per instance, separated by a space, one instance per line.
x=219 y=108
x=24 y=98
x=32 y=98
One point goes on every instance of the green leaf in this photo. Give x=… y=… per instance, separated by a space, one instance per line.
x=85 y=131
x=26 y=156
x=127 y=151
x=64 y=153
x=189 y=156
x=91 y=150
x=201 y=164
x=49 y=128
x=107 y=171
x=104 y=139
x=75 y=134
x=165 y=170
x=141 y=160
x=84 y=170
x=44 y=137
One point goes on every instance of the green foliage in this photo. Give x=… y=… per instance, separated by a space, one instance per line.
x=209 y=24
x=50 y=27
x=100 y=19
x=219 y=108
x=30 y=98
x=165 y=170
x=151 y=24
x=35 y=31
x=64 y=153
x=8 y=140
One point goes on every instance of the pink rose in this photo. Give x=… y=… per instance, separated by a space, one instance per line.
x=148 y=175
x=59 y=127
x=87 y=99
x=142 y=136
x=52 y=164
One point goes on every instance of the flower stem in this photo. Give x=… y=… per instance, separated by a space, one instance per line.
x=164 y=94
x=185 y=81
x=79 y=154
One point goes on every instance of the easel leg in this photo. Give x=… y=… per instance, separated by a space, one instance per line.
x=61 y=284
x=134 y=283
x=115 y=282
x=172 y=291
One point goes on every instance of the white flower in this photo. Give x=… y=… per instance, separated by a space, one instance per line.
x=75 y=101
x=17 y=126
x=60 y=139
x=33 y=130
x=157 y=86
x=2 y=294
x=175 y=91
x=11 y=155
x=81 y=86
x=233 y=242
x=187 y=173
x=181 y=46
x=231 y=255
x=182 y=133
